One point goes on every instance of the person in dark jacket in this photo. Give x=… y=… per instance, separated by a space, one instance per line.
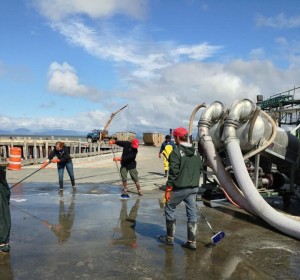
x=5 y=218
x=182 y=185
x=63 y=160
x=128 y=162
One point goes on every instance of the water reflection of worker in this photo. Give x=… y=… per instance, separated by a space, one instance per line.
x=5 y=219
x=5 y=267
x=127 y=225
x=66 y=218
x=169 y=268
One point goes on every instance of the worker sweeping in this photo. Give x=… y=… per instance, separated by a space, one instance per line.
x=63 y=160
x=128 y=163
x=166 y=149
x=182 y=185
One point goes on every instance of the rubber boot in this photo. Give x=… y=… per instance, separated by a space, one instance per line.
x=138 y=187
x=61 y=187
x=169 y=238
x=166 y=173
x=192 y=234
x=4 y=248
x=73 y=184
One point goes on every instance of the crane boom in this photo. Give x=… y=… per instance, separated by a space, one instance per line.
x=104 y=132
x=112 y=116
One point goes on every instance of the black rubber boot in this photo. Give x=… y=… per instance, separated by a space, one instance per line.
x=73 y=184
x=169 y=238
x=192 y=234
x=4 y=248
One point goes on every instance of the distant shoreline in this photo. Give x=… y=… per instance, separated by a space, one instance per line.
x=42 y=137
x=47 y=137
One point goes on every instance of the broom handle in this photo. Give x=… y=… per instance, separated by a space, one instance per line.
x=26 y=177
x=117 y=164
x=206 y=221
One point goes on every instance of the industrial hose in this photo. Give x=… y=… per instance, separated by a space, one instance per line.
x=279 y=221
x=213 y=113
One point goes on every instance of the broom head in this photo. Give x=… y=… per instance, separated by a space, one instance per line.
x=218 y=237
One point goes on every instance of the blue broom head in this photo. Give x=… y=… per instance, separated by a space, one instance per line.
x=218 y=237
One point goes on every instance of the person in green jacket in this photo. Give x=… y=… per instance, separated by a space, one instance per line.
x=182 y=185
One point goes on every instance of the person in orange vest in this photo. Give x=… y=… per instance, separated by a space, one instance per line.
x=166 y=149
x=128 y=162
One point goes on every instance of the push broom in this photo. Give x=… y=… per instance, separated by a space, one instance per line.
x=217 y=237
x=123 y=195
x=28 y=176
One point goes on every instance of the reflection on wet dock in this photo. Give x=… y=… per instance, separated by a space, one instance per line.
x=93 y=234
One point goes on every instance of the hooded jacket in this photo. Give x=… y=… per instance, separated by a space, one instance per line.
x=185 y=167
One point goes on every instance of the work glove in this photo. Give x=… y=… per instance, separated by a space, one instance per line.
x=112 y=142
x=117 y=159
x=44 y=164
x=55 y=160
x=168 y=193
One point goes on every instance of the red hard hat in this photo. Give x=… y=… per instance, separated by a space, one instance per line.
x=135 y=143
x=180 y=132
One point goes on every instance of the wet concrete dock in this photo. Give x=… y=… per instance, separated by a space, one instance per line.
x=93 y=234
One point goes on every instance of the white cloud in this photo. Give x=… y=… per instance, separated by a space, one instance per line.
x=167 y=102
x=258 y=53
x=57 y=10
x=63 y=79
x=145 y=58
x=166 y=80
x=104 y=41
x=281 y=21
x=197 y=52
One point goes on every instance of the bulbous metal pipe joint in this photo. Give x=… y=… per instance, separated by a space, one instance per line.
x=212 y=113
x=239 y=112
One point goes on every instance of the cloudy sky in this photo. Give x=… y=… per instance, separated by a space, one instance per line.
x=70 y=64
